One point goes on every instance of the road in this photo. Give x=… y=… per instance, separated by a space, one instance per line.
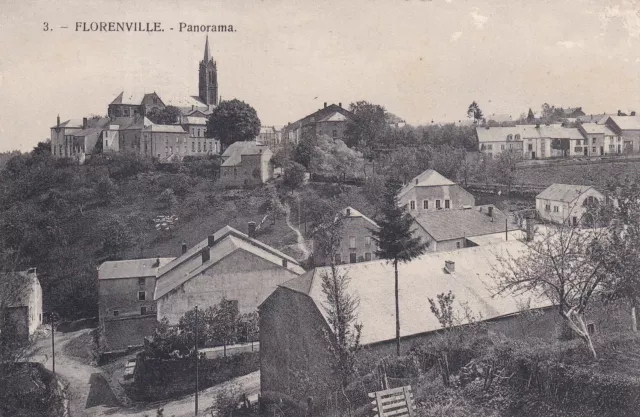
x=90 y=395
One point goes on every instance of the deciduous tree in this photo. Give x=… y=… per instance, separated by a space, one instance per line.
x=233 y=121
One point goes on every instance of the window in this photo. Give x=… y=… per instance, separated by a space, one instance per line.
x=413 y=205
x=143 y=311
x=142 y=295
x=555 y=209
x=489 y=147
x=116 y=313
x=352 y=258
x=367 y=256
x=425 y=204
x=509 y=137
x=593 y=141
x=141 y=282
x=438 y=205
x=199 y=148
x=367 y=241
x=517 y=137
x=352 y=242
x=193 y=146
x=591 y=328
x=530 y=147
x=446 y=204
x=593 y=149
x=338 y=259
x=502 y=147
x=457 y=245
x=547 y=207
x=106 y=143
x=482 y=147
x=335 y=134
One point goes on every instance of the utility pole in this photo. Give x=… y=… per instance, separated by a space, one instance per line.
x=197 y=369
x=53 y=344
x=506 y=228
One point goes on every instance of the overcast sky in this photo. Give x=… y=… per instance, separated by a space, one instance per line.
x=422 y=60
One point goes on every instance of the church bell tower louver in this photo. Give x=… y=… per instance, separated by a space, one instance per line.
x=208 y=80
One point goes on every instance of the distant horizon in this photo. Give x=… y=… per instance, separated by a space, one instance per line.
x=421 y=60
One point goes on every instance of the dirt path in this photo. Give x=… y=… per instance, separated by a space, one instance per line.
x=302 y=246
x=91 y=396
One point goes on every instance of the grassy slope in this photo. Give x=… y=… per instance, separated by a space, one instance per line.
x=596 y=174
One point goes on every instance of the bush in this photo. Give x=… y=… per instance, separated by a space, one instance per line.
x=167 y=199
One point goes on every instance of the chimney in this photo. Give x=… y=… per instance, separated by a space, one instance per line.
x=619 y=112
x=184 y=248
x=450 y=266
x=340 y=104
x=156 y=264
x=537 y=125
x=325 y=104
x=284 y=263
x=348 y=211
x=490 y=212
x=58 y=125
x=84 y=123
x=31 y=271
x=416 y=181
x=211 y=240
x=205 y=254
x=251 y=229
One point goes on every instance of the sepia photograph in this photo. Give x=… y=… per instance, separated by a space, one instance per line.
x=366 y=208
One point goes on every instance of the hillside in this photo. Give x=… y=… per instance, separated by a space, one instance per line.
x=66 y=219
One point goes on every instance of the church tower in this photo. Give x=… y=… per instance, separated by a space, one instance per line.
x=208 y=81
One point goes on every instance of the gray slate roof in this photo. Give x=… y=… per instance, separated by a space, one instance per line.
x=233 y=154
x=132 y=268
x=563 y=192
x=454 y=224
x=499 y=134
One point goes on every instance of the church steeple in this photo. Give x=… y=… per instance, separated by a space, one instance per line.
x=208 y=78
x=207 y=54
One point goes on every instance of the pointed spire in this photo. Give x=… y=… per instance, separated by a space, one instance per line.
x=207 y=54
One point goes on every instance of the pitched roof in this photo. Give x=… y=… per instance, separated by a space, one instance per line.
x=165 y=128
x=193 y=120
x=593 y=118
x=428 y=178
x=333 y=117
x=555 y=131
x=131 y=268
x=225 y=242
x=423 y=278
x=70 y=124
x=93 y=126
x=594 y=128
x=563 y=192
x=233 y=154
x=321 y=114
x=186 y=102
x=355 y=213
x=130 y=122
x=459 y=223
x=626 y=122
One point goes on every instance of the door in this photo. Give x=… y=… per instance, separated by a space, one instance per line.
x=575 y=221
x=533 y=155
x=601 y=150
x=586 y=150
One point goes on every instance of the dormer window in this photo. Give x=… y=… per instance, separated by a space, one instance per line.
x=509 y=137
x=518 y=137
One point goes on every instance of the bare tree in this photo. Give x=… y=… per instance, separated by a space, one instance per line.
x=341 y=309
x=565 y=263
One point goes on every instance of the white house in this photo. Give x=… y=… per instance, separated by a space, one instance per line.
x=565 y=203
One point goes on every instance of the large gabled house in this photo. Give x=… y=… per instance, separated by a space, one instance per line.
x=295 y=355
x=228 y=264
x=430 y=191
x=628 y=129
x=331 y=120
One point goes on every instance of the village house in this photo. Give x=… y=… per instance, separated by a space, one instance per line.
x=628 y=129
x=270 y=136
x=535 y=141
x=431 y=191
x=21 y=296
x=600 y=139
x=565 y=203
x=331 y=120
x=246 y=163
x=123 y=134
x=461 y=228
x=127 y=310
x=356 y=240
x=77 y=138
x=228 y=264
x=128 y=104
